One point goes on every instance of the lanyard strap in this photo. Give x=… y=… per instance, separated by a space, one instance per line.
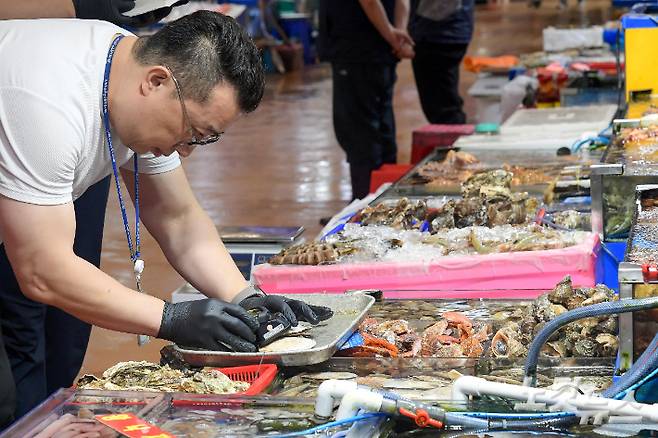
x=134 y=253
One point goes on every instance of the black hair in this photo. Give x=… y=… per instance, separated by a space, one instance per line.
x=203 y=49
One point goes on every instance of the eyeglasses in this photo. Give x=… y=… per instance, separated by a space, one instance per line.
x=194 y=141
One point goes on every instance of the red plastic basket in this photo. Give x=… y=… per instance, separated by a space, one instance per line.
x=260 y=376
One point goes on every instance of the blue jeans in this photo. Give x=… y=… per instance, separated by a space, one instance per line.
x=46 y=346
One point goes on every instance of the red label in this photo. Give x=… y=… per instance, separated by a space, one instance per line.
x=132 y=426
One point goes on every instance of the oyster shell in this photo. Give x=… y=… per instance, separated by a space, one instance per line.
x=473 y=185
x=147 y=376
x=562 y=292
x=586 y=347
x=555 y=349
x=444 y=217
x=608 y=344
x=470 y=212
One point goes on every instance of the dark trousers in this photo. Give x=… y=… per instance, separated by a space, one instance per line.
x=363 y=118
x=7 y=388
x=436 y=69
x=45 y=345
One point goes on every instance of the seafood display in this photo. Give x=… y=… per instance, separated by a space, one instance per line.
x=373 y=243
x=404 y=215
x=572 y=220
x=431 y=380
x=644 y=248
x=618 y=204
x=495 y=332
x=590 y=337
x=147 y=376
x=633 y=137
x=313 y=253
x=457 y=167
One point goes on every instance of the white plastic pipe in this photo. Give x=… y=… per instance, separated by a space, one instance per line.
x=328 y=392
x=358 y=399
x=568 y=400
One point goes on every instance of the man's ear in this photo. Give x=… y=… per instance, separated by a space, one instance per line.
x=155 y=78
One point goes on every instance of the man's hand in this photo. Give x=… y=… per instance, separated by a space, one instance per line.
x=114 y=10
x=209 y=324
x=108 y=10
x=401 y=43
x=293 y=310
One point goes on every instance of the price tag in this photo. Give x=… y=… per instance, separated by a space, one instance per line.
x=132 y=426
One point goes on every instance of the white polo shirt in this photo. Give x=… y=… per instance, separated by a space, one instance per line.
x=52 y=140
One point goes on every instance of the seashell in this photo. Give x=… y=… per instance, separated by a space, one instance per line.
x=505 y=342
x=562 y=292
x=328 y=375
x=288 y=344
x=596 y=298
x=555 y=349
x=585 y=347
x=608 y=344
x=452 y=350
x=608 y=325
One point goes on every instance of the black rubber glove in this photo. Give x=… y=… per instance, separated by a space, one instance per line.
x=113 y=10
x=293 y=310
x=209 y=324
x=108 y=10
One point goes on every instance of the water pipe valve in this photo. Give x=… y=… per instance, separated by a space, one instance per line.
x=650 y=272
x=421 y=418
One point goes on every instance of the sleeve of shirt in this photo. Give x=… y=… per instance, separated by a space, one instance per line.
x=151 y=165
x=39 y=149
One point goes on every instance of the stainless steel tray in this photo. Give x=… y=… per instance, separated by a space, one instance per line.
x=349 y=310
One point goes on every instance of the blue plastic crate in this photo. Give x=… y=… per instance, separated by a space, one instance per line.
x=607 y=263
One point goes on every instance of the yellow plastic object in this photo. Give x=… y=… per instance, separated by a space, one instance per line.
x=641 y=60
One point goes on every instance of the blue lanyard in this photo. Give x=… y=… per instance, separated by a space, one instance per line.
x=134 y=253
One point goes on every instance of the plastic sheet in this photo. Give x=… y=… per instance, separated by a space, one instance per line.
x=504 y=275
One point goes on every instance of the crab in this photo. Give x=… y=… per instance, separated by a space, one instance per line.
x=394 y=332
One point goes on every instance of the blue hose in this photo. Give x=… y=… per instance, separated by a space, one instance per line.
x=329 y=425
x=466 y=421
x=529 y=416
x=644 y=365
x=577 y=145
x=607 y=308
x=636 y=385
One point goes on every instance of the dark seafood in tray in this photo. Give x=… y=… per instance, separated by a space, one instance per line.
x=403 y=215
x=487 y=200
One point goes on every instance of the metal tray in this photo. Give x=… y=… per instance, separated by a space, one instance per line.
x=349 y=310
x=259 y=234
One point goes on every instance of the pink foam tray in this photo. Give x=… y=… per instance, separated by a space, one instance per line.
x=506 y=275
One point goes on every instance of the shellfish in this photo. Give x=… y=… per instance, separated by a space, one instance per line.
x=312 y=253
x=506 y=342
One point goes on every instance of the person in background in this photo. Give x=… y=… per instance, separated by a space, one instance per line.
x=442 y=30
x=364 y=41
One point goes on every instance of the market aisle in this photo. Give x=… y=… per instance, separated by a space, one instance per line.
x=282 y=165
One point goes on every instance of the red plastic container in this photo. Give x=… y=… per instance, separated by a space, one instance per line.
x=260 y=376
x=387 y=173
x=428 y=137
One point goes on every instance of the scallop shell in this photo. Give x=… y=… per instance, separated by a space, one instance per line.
x=288 y=344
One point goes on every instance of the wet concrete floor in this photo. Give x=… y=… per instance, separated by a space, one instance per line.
x=282 y=166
